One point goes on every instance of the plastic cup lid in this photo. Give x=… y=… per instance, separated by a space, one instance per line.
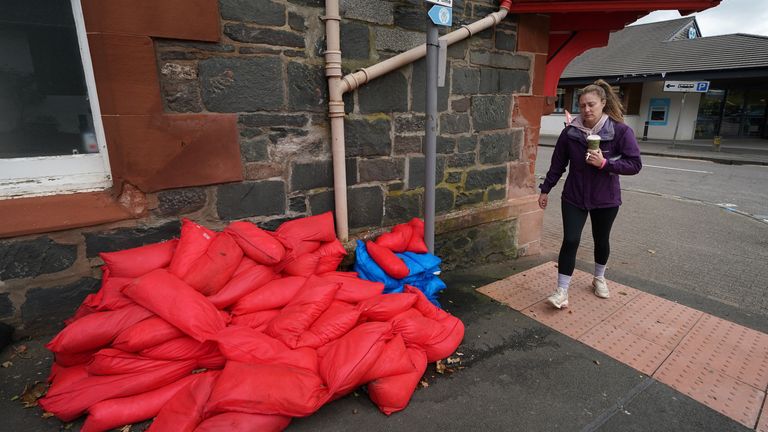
x=593 y=138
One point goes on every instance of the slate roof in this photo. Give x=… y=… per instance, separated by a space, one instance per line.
x=664 y=47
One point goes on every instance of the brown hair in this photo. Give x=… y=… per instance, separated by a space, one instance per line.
x=604 y=91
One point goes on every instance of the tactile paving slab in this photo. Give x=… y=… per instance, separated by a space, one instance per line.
x=626 y=347
x=525 y=288
x=762 y=423
x=722 y=365
x=655 y=319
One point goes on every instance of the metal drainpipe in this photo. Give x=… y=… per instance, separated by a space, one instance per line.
x=337 y=86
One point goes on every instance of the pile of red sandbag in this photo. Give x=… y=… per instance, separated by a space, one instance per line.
x=403 y=237
x=239 y=330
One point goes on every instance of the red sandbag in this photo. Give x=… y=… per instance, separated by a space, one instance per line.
x=296 y=317
x=112 y=413
x=267 y=389
x=336 y=321
x=245 y=264
x=244 y=422
x=393 y=360
x=438 y=348
x=96 y=330
x=135 y=262
x=193 y=243
x=255 y=320
x=176 y=302
x=242 y=284
x=272 y=295
x=147 y=333
x=384 y=307
x=64 y=376
x=326 y=258
x=438 y=339
x=397 y=240
x=67 y=360
x=183 y=348
x=387 y=260
x=393 y=393
x=353 y=289
x=110 y=361
x=185 y=410
x=344 y=362
x=109 y=296
x=69 y=402
x=215 y=267
x=245 y=345
x=317 y=228
x=416 y=243
x=81 y=311
x=426 y=307
x=257 y=244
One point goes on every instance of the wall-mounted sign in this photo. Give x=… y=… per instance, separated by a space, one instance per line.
x=441 y=15
x=658 y=112
x=686 y=86
x=446 y=3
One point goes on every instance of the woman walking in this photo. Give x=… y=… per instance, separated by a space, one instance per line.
x=592 y=186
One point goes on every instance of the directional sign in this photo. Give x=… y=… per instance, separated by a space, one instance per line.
x=686 y=86
x=441 y=15
x=446 y=3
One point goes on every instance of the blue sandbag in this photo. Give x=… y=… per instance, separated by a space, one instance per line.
x=422 y=272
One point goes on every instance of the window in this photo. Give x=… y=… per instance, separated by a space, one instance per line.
x=560 y=101
x=51 y=136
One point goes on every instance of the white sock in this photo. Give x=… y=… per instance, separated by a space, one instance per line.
x=563 y=281
x=600 y=270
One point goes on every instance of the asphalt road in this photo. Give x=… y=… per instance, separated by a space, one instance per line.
x=686 y=224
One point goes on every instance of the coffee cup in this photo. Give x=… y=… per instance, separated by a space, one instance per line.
x=593 y=142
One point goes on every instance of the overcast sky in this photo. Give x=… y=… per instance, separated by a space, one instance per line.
x=731 y=16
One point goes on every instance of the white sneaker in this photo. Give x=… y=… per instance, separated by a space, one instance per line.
x=559 y=299
x=601 y=287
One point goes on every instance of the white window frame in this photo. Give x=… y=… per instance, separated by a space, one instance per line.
x=49 y=175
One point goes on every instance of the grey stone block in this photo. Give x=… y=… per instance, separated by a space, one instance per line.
x=514 y=81
x=242 y=84
x=397 y=40
x=319 y=174
x=366 y=206
x=410 y=17
x=410 y=123
x=444 y=200
x=445 y=145
x=500 y=148
x=364 y=138
x=489 y=80
x=478 y=245
x=505 y=41
x=254 y=150
x=454 y=123
x=321 y=202
x=458 y=50
x=309 y=3
x=490 y=112
x=126 y=238
x=260 y=35
x=45 y=309
x=30 y=258
x=465 y=80
x=418 y=89
x=453 y=177
x=484 y=178
x=408 y=144
x=467 y=144
x=378 y=12
x=386 y=94
x=180 y=201
x=297 y=204
x=381 y=169
x=499 y=60
x=307 y=87
x=247 y=199
x=416 y=171
x=265 y=12
x=460 y=105
x=461 y=160
x=402 y=207
x=296 y=22
x=495 y=194
x=355 y=40
x=182 y=96
x=469 y=198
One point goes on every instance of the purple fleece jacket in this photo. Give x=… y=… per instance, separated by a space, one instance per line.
x=586 y=186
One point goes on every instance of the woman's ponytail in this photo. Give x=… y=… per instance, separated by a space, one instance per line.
x=613 y=106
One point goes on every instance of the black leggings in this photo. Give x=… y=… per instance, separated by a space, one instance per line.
x=574 y=219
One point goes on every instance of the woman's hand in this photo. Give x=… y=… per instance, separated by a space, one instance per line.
x=595 y=158
x=543 y=198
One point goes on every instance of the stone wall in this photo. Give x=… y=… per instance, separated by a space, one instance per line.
x=269 y=69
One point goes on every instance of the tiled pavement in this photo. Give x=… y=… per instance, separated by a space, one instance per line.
x=718 y=363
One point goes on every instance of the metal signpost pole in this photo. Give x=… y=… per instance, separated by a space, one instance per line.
x=430 y=152
x=677 y=123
